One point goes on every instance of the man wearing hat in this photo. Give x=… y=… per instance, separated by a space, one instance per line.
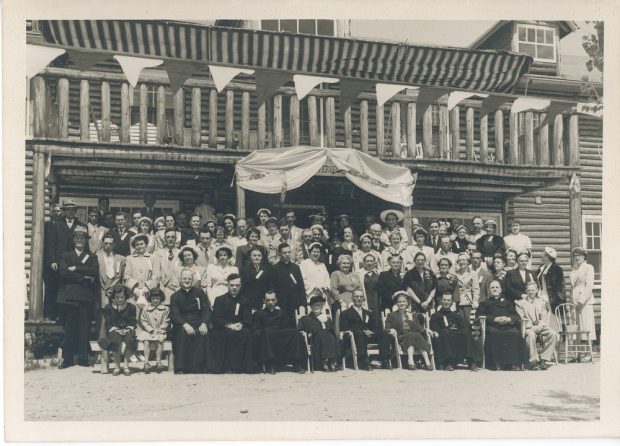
x=551 y=279
x=490 y=243
x=518 y=278
x=111 y=269
x=79 y=273
x=271 y=241
x=391 y=217
x=165 y=265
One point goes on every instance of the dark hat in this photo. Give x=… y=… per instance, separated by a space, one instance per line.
x=139 y=237
x=81 y=230
x=223 y=248
x=67 y=204
x=316 y=299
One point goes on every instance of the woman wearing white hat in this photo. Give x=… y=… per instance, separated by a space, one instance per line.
x=552 y=288
x=391 y=217
x=145 y=226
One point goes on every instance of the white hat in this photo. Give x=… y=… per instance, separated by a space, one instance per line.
x=551 y=252
x=384 y=214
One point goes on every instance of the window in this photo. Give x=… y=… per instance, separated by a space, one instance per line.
x=592 y=232
x=127 y=205
x=537 y=41
x=305 y=26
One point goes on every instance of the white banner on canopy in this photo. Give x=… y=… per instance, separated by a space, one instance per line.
x=133 y=66
x=223 y=75
x=269 y=171
x=38 y=57
x=386 y=91
x=529 y=104
x=304 y=84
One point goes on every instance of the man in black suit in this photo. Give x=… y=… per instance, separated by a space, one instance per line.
x=79 y=273
x=434 y=239
x=50 y=277
x=389 y=282
x=149 y=206
x=517 y=278
x=551 y=279
x=121 y=235
x=60 y=240
x=288 y=284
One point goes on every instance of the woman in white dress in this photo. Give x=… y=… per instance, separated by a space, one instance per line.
x=145 y=226
x=315 y=274
x=218 y=272
x=582 y=282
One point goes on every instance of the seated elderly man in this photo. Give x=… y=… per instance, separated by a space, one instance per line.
x=534 y=312
x=275 y=342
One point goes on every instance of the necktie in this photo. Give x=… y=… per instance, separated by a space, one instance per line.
x=170 y=255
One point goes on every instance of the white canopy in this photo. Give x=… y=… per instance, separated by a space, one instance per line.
x=278 y=170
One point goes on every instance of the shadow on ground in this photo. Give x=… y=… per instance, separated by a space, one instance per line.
x=568 y=407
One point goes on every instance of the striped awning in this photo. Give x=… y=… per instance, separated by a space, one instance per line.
x=459 y=68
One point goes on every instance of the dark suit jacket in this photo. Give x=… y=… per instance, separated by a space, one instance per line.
x=350 y=320
x=121 y=244
x=430 y=243
x=515 y=286
x=554 y=280
x=498 y=245
x=459 y=245
x=60 y=239
x=255 y=284
x=81 y=285
x=291 y=293
x=387 y=284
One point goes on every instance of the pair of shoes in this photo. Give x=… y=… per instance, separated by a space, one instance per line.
x=159 y=367
x=542 y=364
x=299 y=369
x=116 y=372
x=179 y=372
x=147 y=368
x=127 y=372
x=430 y=368
x=141 y=357
x=332 y=367
x=532 y=366
x=411 y=367
x=474 y=368
x=325 y=367
x=65 y=365
x=133 y=358
x=449 y=368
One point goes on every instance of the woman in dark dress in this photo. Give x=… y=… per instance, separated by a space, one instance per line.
x=499 y=270
x=404 y=324
x=420 y=282
x=256 y=279
x=323 y=337
x=190 y=314
x=504 y=346
x=447 y=283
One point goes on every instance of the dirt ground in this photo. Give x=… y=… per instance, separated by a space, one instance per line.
x=562 y=393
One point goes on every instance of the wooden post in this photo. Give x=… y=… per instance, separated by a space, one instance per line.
x=558 y=141
x=240 y=201
x=529 y=138
x=62 y=97
x=35 y=312
x=161 y=114
x=278 y=136
x=105 y=111
x=269 y=121
x=294 y=119
x=313 y=121
x=513 y=157
x=499 y=136
x=411 y=130
x=484 y=138
x=330 y=122
x=455 y=133
x=364 y=126
x=543 y=143
x=229 y=116
x=469 y=133
x=40 y=106
x=125 y=113
x=396 y=129
x=574 y=193
x=427 y=132
x=380 y=126
x=443 y=131
x=245 y=120
x=348 y=129
x=143 y=114
x=262 y=125
x=84 y=110
x=573 y=140
x=407 y=223
x=213 y=118
x=178 y=108
x=196 y=117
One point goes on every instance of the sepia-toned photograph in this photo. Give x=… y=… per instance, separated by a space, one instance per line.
x=313 y=220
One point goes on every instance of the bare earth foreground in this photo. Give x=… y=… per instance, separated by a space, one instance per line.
x=562 y=393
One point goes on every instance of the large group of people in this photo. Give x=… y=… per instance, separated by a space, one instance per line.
x=241 y=295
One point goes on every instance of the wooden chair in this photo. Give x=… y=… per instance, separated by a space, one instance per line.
x=299 y=313
x=396 y=345
x=373 y=349
x=569 y=333
x=105 y=354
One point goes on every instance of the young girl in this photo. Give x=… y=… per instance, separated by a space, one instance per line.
x=120 y=325
x=154 y=322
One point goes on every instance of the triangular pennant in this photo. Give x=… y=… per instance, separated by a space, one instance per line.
x=179 y=72
x=386 y=91
x=268 y=83
x=304 y=84
x=85 y=61
x=491 y=103
x=426 y=97
x=38 y=57
x=529 y=104
x=457 y=96
x=553 y=110
x=223 y=75
x=350 y=90
x=133 y=66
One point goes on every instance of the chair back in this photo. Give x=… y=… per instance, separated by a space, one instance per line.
x=384 y=314
x=566 y=314
x=299 y=313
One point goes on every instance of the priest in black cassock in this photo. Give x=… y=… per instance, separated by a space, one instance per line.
x=190 y=314
x=288 y=284
x=231 y=337
x=320 y=330
x=275 y=343
x=452 y=340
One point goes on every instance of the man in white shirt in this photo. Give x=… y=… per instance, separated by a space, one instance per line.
x=111 y=268
x=202 y=248
x=294 y=230
x=517 y=241
x=445 y=250
x=205 y=210
x=287 y=237
x=477 y=228
x=95 y=231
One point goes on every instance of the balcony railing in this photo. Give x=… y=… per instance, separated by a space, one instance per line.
x=69 y=104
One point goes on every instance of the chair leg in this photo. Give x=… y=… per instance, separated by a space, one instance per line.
x=171 y=361
x=105 y=364
x=565 y=350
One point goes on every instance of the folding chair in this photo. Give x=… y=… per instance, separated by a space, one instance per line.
x=396 y=345
x=299 y=313
x=373 y=349
x=569 y=333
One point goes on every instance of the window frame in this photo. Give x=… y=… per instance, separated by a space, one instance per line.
x=517 y=41
x=590 y=218
x=316 y=26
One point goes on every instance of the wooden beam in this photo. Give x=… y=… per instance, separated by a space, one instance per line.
x=269 y=121
x=161 y=115
x=84 y=110
x=576 y=236
x=348 y=129
x=380 y=130
x=411 y=130
x=455 y=133
x=469 y=133
x=513 y=157
x=245 y=121
x=157 y=174
x=573 y=140
x=396 y=129
x=313 y=121
x=330 y=122
x=125 y=113
x=40 y=107
x=35 y=310
x=105 y=111
x=138 y=166
x=543 y=142
x=240 y=201
x=443 y=132
x=178 y=106
x=427 y=133
x=143 y=114
x=407 y=223
x=558 y=141
x=62 y=98
x=278 y=132
x=529 y=138
x=294 y=120
x=499 y=136
x=196 y=117
x=213 y=118
x=484 y=138
x=229 y=119
x=364 y=126
x=262 y=125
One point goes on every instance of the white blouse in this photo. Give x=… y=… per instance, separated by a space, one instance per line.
x=315 y=275
x=216 y=280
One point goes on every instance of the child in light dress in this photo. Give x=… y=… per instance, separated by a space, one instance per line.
x=153 y=327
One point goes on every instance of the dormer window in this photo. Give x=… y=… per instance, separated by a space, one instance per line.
x=537 y=41
x=302 y=26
